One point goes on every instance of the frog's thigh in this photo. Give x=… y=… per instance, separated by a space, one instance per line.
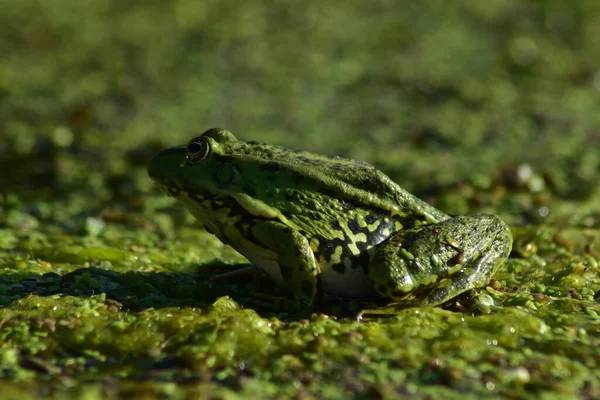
x=443 y=259
x=296 y=259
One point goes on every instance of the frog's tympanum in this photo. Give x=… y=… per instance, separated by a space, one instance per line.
x=323 y=223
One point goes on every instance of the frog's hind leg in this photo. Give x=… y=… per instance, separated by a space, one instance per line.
x=473 y=275
x=437 y=262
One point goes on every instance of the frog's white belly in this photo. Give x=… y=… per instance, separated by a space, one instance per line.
x=353 y=283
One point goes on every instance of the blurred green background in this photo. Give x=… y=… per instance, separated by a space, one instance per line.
x=429 y=91
x=489 y=106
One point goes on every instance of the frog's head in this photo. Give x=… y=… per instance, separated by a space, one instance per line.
x=207 y=165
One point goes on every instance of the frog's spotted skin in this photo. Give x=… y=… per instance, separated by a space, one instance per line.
x=305 y=218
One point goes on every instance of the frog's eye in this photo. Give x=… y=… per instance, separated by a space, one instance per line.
x=197 y=150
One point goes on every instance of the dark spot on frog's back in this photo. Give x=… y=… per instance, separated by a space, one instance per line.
x=335 y=224
x=347 y=206
x=370 y=218
x=353 y=225
x=339 y=167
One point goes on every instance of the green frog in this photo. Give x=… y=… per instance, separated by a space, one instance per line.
x=319 y=224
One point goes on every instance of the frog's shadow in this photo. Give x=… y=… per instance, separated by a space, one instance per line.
x=137 y=291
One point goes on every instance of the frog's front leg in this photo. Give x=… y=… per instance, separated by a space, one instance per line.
x=440 y=261
x=289 y=261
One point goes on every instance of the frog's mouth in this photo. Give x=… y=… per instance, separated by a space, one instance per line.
x=172 y=190
x=196 y=198
x=169 y=190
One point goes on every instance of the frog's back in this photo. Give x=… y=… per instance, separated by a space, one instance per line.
x=341 y=178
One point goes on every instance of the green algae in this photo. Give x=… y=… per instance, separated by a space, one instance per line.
x=532 y=339
x=474 y=106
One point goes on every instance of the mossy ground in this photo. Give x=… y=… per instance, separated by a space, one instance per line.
x=474 y=106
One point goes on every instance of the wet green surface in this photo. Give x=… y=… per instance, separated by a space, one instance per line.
x=475 y=106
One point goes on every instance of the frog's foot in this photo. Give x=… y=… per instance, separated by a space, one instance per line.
x=467 y=278
x=431 y=265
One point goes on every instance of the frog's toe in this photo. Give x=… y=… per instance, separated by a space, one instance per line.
x=472 y=276
x=459 y=283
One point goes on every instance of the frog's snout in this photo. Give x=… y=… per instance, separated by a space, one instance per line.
x=165 y=163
